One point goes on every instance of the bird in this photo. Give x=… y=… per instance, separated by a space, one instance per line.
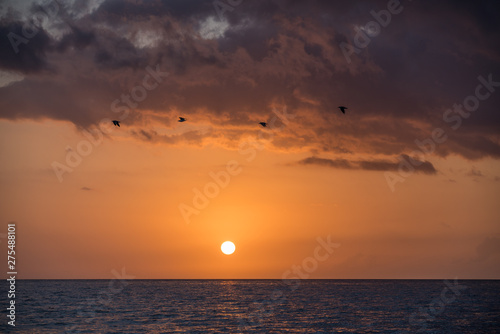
x=116 y=123
x=181 y=119
x=264 y=124
x=342 y=109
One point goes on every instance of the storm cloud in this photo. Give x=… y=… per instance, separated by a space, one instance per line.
x=229 y=69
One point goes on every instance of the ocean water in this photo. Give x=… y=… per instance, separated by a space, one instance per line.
x=254 y=306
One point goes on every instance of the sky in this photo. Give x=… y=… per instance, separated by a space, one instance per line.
x=405 y=184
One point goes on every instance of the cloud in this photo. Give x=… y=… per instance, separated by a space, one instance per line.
x=232 y=71
x=86 y=188
x=424 y=167
x=32 y=59
x=337 y=163
x=475 y=173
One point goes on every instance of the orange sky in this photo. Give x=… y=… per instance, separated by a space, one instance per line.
x=273 y=211
x=405 y=184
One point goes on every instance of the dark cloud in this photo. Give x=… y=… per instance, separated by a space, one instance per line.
x=264 y=53
x=144 y=9
x=114 y=53
x=85 y=188
x=78 y=38
x=424 y=167
x=337 y=163
x=484 y=14
x=477 y=145
x=21 y=54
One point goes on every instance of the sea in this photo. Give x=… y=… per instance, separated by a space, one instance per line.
x=253 y=306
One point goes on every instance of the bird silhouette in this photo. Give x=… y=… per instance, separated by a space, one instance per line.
x=181 y=119
x=264 y=124
x=342 y=109
x=116 y=123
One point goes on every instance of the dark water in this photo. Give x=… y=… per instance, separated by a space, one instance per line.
x=254 y=306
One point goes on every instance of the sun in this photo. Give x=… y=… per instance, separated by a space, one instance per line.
x=227 y=247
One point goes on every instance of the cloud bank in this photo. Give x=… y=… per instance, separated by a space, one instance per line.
x=228 y=69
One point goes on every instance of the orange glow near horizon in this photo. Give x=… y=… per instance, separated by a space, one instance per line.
x=120 y=209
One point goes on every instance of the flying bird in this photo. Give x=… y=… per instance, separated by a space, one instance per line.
x=342 y=109
x=264 y=124
x=116 y=123
x=181 y=119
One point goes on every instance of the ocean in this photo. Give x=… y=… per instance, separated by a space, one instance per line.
x=254 y=306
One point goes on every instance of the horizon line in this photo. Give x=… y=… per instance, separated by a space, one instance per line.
x=260 y=279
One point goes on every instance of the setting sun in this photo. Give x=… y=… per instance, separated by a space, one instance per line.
x=227 y=247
